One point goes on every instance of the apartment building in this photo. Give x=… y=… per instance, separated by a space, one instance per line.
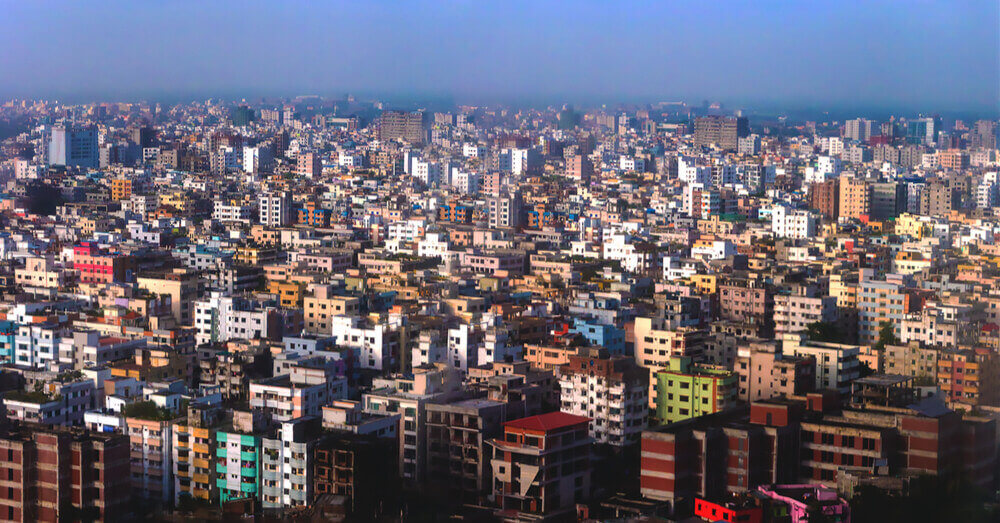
x=457 y=447
x=912 y=359
x=356 y=466
x=286 y=464
x=837 y=365
x=54 y=473
x=556 y=442
x=611 y=390
x=238 y=457
x=685 y=389
x=766 y=373
x=409 y=398
x=151 y=441
x=794 y=311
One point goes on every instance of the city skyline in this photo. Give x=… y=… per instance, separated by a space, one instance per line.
x=866 y=58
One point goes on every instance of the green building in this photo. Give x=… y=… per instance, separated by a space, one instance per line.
x=687 y=390
x=237 y=465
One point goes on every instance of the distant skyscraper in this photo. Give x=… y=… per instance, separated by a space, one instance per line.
x=242 y=115
x=142 y=136
x=984 y=135
x=74 y=147
x=722 y=131
x=398 y=125
x=859 y=129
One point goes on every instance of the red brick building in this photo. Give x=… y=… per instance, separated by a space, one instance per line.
x=52 y=474
x=786 y=441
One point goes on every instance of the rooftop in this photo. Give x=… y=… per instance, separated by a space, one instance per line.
x=547 y=422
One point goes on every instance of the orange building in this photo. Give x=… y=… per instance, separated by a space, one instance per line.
x=969 y=377
x=121 y=189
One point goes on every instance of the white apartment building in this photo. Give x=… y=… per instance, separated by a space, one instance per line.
x=837 y=365
x=257 y=159
x=792 y=223
x=301 y=393
x=473 y=150
x=230 y=211
x=464 y=182
x=427 y=172
x=406 y=230
x=374 y=344
x=57 y=403
x=276 y=209
x=713 y=249
x=221 y=318
x=632 y=257
x=612 y=392
x=37 y=345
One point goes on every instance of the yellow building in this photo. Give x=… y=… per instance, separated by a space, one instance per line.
x=121 y=189
x=194 y=448
x=290 y=294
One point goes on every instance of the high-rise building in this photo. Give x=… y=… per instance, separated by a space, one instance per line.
x=142 y=136
x=398 y=125
x=855 y=198
x=276 y=209
x=51 y=474
x=579 y=167
x=888 y=200
x=824 y=197
x=74 y=147
x=308 y=164
x=939 y=198
x=241 y=116
x=611 y=390
x=720 y=131
x=984 y=135
x=556 y=441
x=859 y=129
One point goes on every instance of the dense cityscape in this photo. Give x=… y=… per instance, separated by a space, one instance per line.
x=314 y=308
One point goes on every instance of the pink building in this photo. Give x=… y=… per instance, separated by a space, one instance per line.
x=800 y=499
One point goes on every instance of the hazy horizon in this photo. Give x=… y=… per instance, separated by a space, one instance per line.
x=888 y=57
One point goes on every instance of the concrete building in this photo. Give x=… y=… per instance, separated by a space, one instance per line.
x=792 y=223
x=53 y=474
x=286 y=464
x=611 y=390
x=796 y=310
x=557 y=441
x=457 y=447
x=409 y=398
x=837 y=365
x=723 y=132
x=151 y=458
x=685 y=389
x=398 y=125
x=276 y=209
x=766 y=373
x=855 y=198
x=73 y=147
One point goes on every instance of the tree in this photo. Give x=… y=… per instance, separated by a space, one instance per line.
x=825 y=332
x=886 y=336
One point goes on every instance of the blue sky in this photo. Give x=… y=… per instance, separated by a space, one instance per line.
x=915 y=54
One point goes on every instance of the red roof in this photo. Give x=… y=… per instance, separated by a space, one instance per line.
x=547 y=422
